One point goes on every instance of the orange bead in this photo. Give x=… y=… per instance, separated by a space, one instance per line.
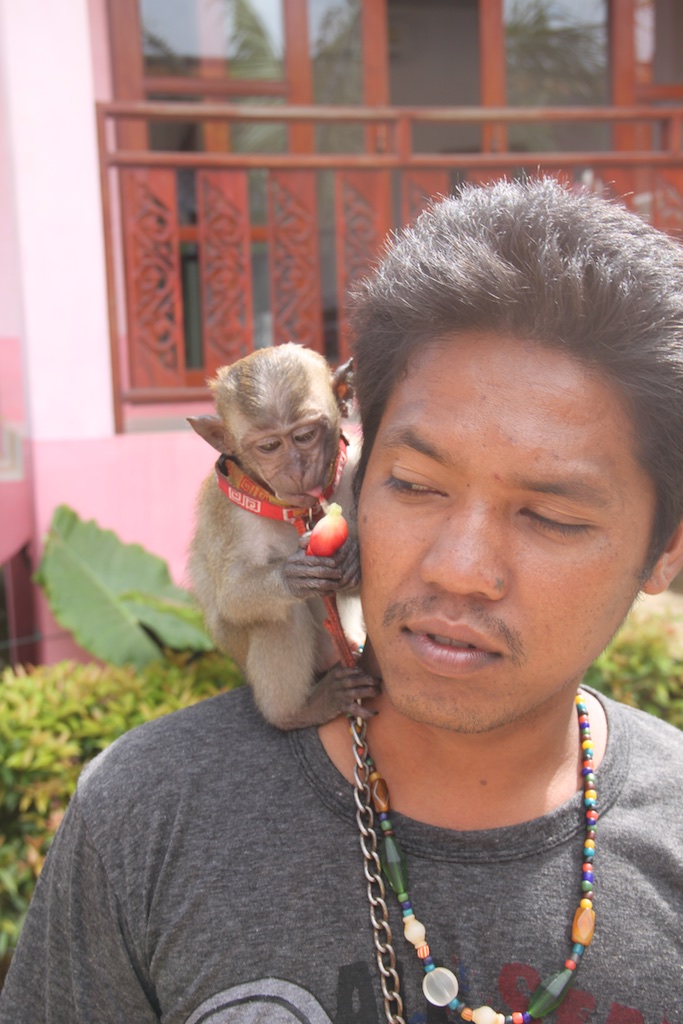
x=571 y=964
x=583 y=926
x=517 y=1018
x=466 y=1013
x=422 y=951
x=586 y=903
x=379 y=792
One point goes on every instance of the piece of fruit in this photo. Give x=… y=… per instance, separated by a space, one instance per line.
x=328 y=535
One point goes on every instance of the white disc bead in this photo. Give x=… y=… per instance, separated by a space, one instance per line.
x=414 y=931
x=487 y=1015
x=440 y=986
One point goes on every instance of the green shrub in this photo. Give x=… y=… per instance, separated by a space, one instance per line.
x=53 y=719
x=643 y=667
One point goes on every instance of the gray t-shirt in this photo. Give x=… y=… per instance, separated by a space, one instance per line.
x=208 y=871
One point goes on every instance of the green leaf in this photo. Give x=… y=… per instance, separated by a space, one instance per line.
x=179 y=626
x=86 y=572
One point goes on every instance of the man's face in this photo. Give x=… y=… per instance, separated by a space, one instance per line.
x=504 y=525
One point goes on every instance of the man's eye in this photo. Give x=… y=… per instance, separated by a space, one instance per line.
x=268 y=446
x=553 y=526
x=395 y=483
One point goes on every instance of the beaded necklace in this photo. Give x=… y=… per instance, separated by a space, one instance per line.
x=440 y=985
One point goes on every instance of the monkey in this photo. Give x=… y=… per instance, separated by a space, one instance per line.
x=278 y=430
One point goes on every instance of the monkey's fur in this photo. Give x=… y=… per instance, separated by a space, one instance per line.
x=279 y=418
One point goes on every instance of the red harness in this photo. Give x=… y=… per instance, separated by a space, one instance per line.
x=245 y=492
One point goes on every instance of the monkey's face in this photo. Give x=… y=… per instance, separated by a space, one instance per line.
x=291 y=459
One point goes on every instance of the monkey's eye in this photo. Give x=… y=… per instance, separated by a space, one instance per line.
x=306 y=436
x=268 y=446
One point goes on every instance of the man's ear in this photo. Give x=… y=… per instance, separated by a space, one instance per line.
x=667 y=566
x=212 y=429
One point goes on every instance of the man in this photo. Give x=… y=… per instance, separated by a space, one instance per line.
x=520 y=378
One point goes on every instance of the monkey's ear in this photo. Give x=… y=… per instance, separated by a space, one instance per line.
x=212 y=429
x=343 y=385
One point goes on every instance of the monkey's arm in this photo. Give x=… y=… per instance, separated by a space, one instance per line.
x=258 y=578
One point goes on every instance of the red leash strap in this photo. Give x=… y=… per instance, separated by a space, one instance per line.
x=336 y=630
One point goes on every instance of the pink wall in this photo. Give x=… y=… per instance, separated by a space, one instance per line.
x=142 y=486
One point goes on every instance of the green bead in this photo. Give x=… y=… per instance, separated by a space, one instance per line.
x=394 y=864
x=550 y=993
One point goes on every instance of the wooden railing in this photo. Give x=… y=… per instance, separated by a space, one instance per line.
x=312 y=259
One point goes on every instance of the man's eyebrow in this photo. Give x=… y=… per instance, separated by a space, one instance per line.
x=406 y=437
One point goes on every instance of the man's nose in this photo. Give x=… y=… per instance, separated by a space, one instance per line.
x=469 y=555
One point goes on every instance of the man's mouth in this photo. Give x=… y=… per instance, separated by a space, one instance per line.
x=448 y=642
x=464 y=651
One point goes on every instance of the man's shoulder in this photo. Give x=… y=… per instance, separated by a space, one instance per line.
x=649 y=748
x=646 y=727
x=219 y=735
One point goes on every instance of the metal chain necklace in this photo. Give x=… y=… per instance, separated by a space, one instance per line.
x=440 y=984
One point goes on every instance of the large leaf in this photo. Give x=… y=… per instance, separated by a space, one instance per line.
x=105 y=593
x=175 y=624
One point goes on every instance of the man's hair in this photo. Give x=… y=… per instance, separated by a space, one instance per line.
x=539 y=261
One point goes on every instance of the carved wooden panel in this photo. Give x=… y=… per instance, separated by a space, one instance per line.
x=153 y=282
x=667 y=201
x=363 y=216
x=295 y=287
x=225 y=267
x=417 y=188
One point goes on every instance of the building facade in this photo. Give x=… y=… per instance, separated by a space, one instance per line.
x=182 y=181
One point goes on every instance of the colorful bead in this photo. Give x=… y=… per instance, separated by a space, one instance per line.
x=583 y=926
x=517 y=1018
x=466 y=1014
x=394 y=864
x=440 y=986
x=379 y=793
x=550 y=994
x=414 y=931
x=485 y=1015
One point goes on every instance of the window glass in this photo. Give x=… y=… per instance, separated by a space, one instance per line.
x=556 y=55
x=434 y=62
x=213 y=38
x=659 y=42
x=336 y=59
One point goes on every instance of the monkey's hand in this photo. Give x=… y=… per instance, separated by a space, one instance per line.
x=339 y=692
x=306 y=575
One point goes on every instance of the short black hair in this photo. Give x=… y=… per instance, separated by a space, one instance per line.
x=542 y=261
